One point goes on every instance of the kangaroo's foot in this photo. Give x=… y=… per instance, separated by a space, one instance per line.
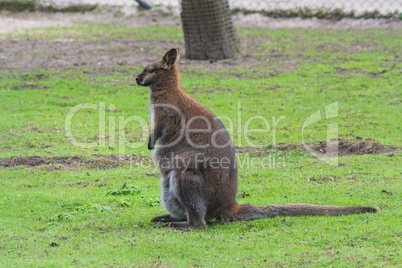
x=166 y=218
x=183 y=225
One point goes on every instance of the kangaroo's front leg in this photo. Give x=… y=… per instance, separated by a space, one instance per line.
x=156 y=133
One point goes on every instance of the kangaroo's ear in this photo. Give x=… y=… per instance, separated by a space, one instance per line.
x=171 y=57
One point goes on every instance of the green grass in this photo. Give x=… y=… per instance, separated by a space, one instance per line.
x=68 y=217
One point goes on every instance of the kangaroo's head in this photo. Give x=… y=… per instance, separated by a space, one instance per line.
x=161 y=72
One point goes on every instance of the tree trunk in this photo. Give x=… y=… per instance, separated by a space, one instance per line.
x=208 y=30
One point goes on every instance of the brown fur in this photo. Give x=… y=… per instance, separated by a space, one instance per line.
x=191 y=140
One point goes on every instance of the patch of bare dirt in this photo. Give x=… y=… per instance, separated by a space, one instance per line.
x=74 y=162
x=346 y=147
x=102 y=56
x=379 y=74
x=131 y=17
x=340 y=70
x=343 y=148
x=25 y=55
x=29 y=86
x=32 y=55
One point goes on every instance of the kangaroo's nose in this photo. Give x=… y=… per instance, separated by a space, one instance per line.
x=138 y=80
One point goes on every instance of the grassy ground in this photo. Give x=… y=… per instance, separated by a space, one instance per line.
x=62 y=213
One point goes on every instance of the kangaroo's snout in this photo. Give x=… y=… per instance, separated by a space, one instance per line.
x=138 y=79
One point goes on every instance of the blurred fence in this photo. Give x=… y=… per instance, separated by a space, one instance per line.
x=272 y=8
x=268 y=7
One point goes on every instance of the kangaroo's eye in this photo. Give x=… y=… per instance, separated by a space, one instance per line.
x=151 y=71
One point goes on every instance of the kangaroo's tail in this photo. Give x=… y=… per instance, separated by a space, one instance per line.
x=249 y=212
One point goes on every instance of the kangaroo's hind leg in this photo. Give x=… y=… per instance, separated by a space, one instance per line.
x=171 y=202
x=190 y=189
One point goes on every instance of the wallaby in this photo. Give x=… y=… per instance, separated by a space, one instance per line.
x=197 y=160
